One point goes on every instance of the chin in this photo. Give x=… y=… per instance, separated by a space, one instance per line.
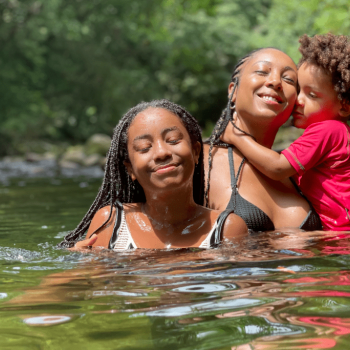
x=271 y=113
x=297 y=124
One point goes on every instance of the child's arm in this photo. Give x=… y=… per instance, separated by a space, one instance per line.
x=270 y=163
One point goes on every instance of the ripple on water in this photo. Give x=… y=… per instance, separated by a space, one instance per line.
x=200 y=307
x=46 y=320
x=205 y=288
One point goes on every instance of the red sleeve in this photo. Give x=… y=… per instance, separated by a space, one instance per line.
x=313 y=146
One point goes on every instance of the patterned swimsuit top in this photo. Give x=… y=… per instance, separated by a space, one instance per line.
x=122 y=240
x=253 y=216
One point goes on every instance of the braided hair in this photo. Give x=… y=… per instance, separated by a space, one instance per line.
x=226 y=116
x=331 y=53
x=117 y=185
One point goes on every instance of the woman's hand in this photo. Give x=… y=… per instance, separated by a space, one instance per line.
x=85 y=244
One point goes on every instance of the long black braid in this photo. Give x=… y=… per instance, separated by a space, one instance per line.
x=117 y=184
x=225 y=118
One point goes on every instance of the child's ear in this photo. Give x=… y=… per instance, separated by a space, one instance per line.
x=345 y=110
x=128 y=166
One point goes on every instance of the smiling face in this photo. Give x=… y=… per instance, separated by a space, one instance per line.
x=267 y=88
x=317 y=100
x=161 y=154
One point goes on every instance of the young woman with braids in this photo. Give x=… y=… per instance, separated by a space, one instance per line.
x=152 y=191
x=262 y=94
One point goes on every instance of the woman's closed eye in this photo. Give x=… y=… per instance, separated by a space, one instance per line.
x=142 y=146
x=173 y=137
x=262 y=72
x=174 y=141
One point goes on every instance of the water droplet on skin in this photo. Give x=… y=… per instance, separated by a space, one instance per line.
x=188 y=229
x=143 y=226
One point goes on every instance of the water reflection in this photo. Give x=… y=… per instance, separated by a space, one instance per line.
x=46 y=320
x=283 y=289
x=187 y=299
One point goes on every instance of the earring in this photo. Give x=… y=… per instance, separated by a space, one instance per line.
x=232 y=105
x=133 y=187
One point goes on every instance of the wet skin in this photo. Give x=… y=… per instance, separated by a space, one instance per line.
x=267 y=91
x=317 y=100
x=162 y=158
x=264 y=100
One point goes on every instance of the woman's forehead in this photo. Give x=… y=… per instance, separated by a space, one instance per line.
x=273 y=57
x=154 y=119
x=153 y=114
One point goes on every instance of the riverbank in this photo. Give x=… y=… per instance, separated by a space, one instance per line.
x=88 y=160
x=42 y=159
x=48 y=168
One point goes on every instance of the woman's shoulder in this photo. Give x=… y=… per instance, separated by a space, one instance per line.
x=132 y=206
x=215 y=149
x=103 y=213
x=102 y=225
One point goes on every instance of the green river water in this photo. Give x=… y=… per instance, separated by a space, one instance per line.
x=278 y=290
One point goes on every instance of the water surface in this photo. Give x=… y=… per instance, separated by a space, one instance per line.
x=284 y=290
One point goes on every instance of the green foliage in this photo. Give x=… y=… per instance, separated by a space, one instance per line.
x=287 y=20
x=71 y=68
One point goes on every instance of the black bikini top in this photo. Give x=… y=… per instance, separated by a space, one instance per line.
x=253 y=216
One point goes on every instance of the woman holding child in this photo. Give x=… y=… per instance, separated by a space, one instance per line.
x=320 y=159
x=262 y=93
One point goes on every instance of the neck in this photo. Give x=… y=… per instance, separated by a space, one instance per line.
x=171 y=208
x=264 y=133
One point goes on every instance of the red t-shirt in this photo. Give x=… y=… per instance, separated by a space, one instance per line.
x=321 y=158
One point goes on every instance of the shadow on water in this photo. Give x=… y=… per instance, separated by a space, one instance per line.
x=283 y=289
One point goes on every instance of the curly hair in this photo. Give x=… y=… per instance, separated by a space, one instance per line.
x=331 y=53
x=117 y=185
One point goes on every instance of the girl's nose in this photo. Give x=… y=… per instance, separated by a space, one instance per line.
x=161 y=151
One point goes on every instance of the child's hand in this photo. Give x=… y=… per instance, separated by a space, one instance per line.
x=231 y=134
x=85 y=244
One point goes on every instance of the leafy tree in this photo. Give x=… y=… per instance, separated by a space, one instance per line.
x=71 y=68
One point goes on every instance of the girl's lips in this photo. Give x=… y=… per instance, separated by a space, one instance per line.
x=165 y=169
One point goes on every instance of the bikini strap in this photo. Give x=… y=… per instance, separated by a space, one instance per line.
x=297 y=187
x=240 y=169
x=234 y=179
x=232 y=169
x=118 y=218
x=217 y=235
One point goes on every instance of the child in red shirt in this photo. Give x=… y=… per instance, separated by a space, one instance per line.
x=319 y=160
